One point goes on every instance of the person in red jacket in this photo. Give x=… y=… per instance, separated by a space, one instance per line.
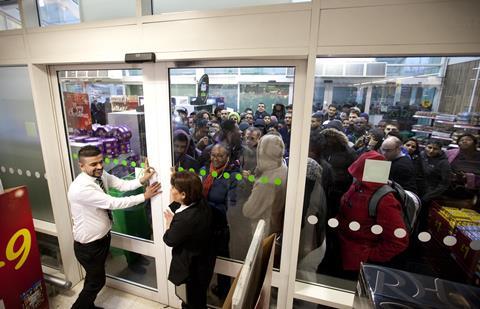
x=362 y=244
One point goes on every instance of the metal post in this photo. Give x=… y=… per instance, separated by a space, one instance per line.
x=474 y=87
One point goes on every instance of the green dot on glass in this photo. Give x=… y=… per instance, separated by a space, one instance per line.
x=239 y=177
x=124 y=162
x=277 y=181
x=192 y=170
x=264 y=180
x=214 y=174
x=115 y=161
x=251 y=178
x=226 y=175
x=203 y=172
x=142 y=165
x=133 y=164
x=107 y=160
x=75 y=156
x=181 y=169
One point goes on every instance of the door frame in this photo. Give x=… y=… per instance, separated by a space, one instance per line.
x=158 y=135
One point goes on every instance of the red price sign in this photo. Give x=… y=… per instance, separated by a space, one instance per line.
x=21 y=252
x=21 y=284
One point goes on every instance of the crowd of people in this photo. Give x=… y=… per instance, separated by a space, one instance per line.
x=257 y=143
x=242 y=162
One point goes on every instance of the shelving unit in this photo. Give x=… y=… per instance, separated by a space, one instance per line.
x=432 y=127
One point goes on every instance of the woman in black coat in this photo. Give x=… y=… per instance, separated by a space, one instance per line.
x=189 y=233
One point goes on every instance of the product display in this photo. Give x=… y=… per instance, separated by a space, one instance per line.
x=383 y=287
x=445 y=127
x=111 y=140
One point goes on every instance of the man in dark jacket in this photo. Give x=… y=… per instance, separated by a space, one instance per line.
x=260 y=112
x=181 y=144
x=436 y=176
x=402 y=170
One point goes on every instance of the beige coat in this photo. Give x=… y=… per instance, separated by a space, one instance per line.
x=267 y=200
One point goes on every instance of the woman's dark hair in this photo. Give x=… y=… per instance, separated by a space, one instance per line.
x=188 y=183
x=475 y=141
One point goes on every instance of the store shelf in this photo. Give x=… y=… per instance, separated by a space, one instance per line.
x=420 y=131
x=465 y=126
x=442 y=138
x=444 y=121
x=425 y=117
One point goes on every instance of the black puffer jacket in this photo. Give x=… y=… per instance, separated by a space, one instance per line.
x=436 y=176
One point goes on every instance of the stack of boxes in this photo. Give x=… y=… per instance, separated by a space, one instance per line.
x=464 y=225
x=112 y=140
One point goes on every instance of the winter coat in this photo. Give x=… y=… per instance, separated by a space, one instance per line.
x=190 y=235
x=312 y=236
x=403 y=173
x=267 y=200
x=362 y=245
x=436 y=176
x=222 y=194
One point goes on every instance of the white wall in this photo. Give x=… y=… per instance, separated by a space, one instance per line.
x=375 y=27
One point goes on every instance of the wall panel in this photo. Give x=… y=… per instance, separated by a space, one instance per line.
x=427 y=25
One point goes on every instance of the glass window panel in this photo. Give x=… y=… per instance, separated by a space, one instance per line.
x=107 y=112
x=344 y=95
x=333 y=69
x=376 y=69
x=221 y=71
x=49 y=251
x=436 y=111
x=263 y=71
x=354 y=69
x=21 y=156
x=185 y=5
x=10 y=15
x=132 y=267
x=56 y=12
x=237 y=187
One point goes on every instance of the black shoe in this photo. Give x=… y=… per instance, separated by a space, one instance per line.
x=219 y=292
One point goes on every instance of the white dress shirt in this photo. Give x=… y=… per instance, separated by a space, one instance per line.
x=88 y=204
x=182 y=208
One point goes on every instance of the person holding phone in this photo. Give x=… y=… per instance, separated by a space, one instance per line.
x=189 y=232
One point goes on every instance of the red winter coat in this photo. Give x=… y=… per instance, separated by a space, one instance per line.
x=363 y=245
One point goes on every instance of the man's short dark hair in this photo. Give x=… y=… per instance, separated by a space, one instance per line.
x=188 y=183
x=88 y=151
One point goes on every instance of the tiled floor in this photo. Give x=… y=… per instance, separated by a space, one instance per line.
x=108 y=298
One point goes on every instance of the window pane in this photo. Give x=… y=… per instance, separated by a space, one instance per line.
x=160 y=6
x=55 y=12
x=21 y=156
x=10 y=16
x=342 y=223
x=242 y=167
x=49 y=251
x=103 y=108
x=133 y=267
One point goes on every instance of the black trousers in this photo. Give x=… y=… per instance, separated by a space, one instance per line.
x=92 y=257
x=198 y=282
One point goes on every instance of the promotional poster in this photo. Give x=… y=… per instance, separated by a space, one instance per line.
x=22 y=284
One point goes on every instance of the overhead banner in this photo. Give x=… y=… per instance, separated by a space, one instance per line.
x=21 y=278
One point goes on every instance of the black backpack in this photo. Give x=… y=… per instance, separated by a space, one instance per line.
x=410 y=202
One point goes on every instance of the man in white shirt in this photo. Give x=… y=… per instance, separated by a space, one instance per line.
x=92 y=220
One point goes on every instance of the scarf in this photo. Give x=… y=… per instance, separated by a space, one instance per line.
x=208 y=183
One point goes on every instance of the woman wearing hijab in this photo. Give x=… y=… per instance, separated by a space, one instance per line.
x=189 y=232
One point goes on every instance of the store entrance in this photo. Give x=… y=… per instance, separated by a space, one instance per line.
x=136 y=111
